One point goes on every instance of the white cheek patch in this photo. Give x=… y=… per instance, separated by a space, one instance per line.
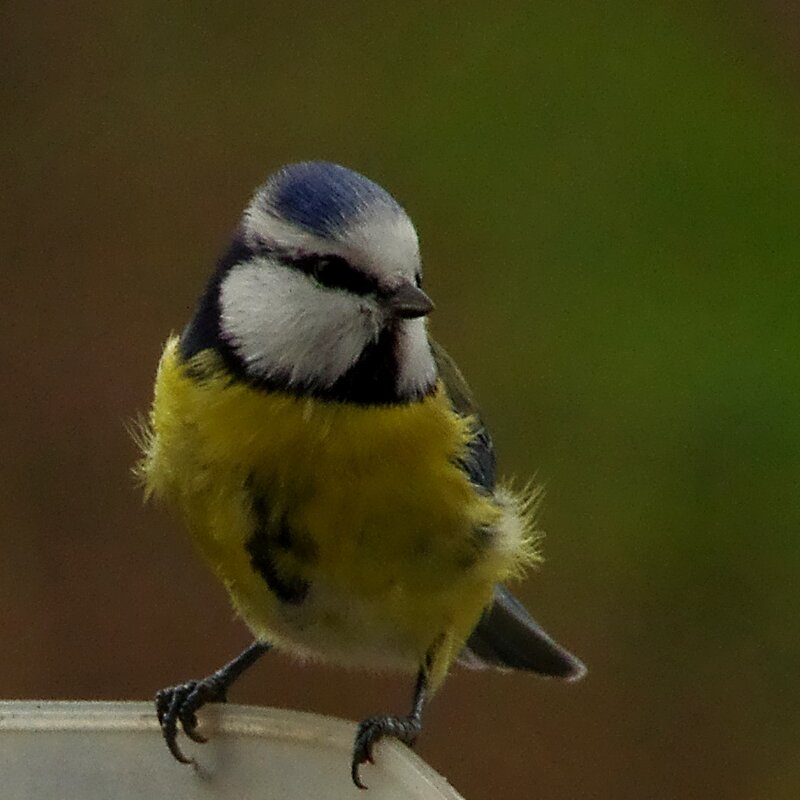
x=417 y=367
x=283 y=325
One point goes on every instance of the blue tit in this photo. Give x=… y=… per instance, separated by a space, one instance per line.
x=329 y=462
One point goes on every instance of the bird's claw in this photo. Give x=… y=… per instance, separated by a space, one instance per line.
x=179 y=705
x=372 y=730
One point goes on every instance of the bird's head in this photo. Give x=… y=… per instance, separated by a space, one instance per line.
x=321 y=290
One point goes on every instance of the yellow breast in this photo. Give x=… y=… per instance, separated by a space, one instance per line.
x=362 y=512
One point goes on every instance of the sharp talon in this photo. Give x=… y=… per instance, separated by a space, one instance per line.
x=372 y=730
x=174 y=748
x=195 y=736
x=368 y=748
x=368 y=733
x=178 y=705
x=188 y=718
x=190 y=729
x=355 y=776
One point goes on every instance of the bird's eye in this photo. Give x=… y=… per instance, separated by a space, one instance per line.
x=335 y=272
x=326 y=269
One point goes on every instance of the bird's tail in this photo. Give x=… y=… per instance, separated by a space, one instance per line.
x=507 y=637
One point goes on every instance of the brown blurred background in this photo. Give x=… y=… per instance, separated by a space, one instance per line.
x=608 y=197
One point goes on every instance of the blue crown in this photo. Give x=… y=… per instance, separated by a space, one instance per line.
x=322 y=197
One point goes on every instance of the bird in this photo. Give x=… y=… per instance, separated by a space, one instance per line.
x=330 y=463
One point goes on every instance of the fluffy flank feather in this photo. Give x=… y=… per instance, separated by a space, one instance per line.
x=517 y=533
x=141 y=431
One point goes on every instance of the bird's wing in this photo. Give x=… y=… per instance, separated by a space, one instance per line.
x=506 y=637
x=480 y=464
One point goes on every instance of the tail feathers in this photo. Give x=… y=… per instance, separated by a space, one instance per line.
x=507 y=637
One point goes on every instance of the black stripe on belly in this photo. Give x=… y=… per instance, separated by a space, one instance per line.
x=273 y=541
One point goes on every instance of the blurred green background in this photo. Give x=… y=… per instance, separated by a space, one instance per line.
x=608 y=197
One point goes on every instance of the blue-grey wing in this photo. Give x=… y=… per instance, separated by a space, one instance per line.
x=480 y=463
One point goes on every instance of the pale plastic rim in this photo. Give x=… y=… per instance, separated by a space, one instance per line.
x=237 y=720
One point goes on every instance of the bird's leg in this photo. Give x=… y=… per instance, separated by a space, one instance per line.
x=406 y=729
x=179 y=704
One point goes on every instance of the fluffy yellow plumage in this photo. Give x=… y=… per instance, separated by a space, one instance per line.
x=401 y=550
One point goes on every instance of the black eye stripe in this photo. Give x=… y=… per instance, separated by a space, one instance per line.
x=331 y=271
x=335 y=272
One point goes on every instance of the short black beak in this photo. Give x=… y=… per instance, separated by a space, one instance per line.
x=408 y=302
